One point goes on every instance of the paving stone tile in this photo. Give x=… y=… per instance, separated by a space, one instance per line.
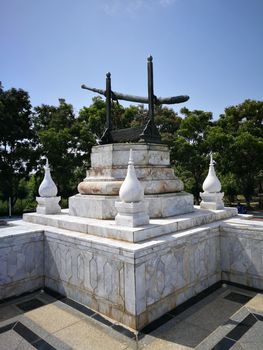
x=9 y=311
x=11 y=320
x=124 y=331
x=213 y=314
x=10 y=340
x=25 y=332
x=184 y=333
x=77 y=306
x=242 y=328
x=24 y=345
x=256 y=304
x=160 y=344
x=157 y=323
x=41 y=344
x=239 y=290
x=224 y=344
x=22 y=298
x=254 y=334
x=29 y=305
x=239 y=316
x=37 y=329
x=249 y=346
x=46 y=298
x=86 y=335
x=215 y=337
x=236 y=346
x=53 y=317
x=238 y=297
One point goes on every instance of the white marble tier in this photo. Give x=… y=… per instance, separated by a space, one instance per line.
x=103 y=207
x=109 y=229
x=109 y=166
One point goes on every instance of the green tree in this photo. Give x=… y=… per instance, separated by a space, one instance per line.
x=17 y=141
x=237 y=137
x=65 y=141
x=190 y=149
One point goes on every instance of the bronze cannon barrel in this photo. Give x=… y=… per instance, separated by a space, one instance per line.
x=139 y=99
x=171 y=100
x=99 y=91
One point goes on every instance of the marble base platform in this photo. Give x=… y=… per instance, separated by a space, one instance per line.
x=133 y=283
x=131 y=214
x=109 y=229
x=48 y=205
x=212 y=201
x=103 y=207
x=99 y=191
x=109 y=167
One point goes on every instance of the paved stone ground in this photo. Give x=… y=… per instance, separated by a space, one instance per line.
x=228 y=318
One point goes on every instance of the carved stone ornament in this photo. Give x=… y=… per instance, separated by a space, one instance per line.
x=212 y=198
x=132 y=210
x=47 y=187
x=48 y=200
x=131 y=189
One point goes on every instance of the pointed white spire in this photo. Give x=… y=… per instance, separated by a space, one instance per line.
x=212 y=198
x=132 y=210
x=47 y=187
x=211 y=183
x=131 y=189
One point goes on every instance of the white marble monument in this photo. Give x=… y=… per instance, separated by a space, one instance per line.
x=48 y=200
x=132 y=210
x=212 y=198
x=132 y=274
x=99 y=191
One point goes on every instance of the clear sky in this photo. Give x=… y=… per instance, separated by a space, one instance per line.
x=211 y=50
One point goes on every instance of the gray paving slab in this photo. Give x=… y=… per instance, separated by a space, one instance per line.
x=213 y=314
x=24 y=345
x=10 y=340
x=9 y=311
x=254 y=334
x=202 y=326
x=182 y=333
x=84 y=335
x=247 y=346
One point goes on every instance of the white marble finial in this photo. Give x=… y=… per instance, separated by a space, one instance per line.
x=132 y=210
x=131 y=189
x=47 y=164
x=47 y=187
x=212 y=162
x=211 y=183
x=130 y=158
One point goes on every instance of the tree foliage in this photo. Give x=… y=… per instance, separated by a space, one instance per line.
x=65 y=141
x=190 y=148
x=66 y=138
x=17 y=141
x=237 y=137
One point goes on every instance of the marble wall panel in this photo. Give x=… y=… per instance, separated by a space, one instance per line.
x=99 y=274
x=241 y=257
x=21 y=265
x=180 y=267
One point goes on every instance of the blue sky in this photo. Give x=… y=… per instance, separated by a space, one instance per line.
x=210 y=50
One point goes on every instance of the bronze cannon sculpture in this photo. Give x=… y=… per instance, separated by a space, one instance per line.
x=145 y=133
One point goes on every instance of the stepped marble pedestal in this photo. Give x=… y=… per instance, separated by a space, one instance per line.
x=131 y=274
x=100 y=189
